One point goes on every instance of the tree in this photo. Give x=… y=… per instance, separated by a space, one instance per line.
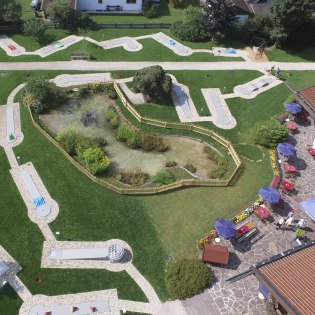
x=191 y=28
x=95 y=161
x=153 y=81
x=34 y=28
x=289 y=15
x=41 y=89
x=269 y=133
x=61 y=10
x=187 y=277
x=218 y=16
x=10 y=12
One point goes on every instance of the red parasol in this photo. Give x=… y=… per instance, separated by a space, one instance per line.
x=286 y=185
x=311 y=151
x=290 y=168
x=291 y=125
x=262 y=212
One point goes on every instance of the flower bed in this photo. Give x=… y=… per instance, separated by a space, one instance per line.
x=276 y=169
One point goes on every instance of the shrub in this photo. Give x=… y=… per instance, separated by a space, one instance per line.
x=152 y=81
x=299 y=233
x=69 y=139
x=210 y=153
x=39 y=107
x=112 y=94
x=133 y=178
x=186 y=277
x=269 y=133
x=133 y=140
x=170 y=164
x=94 y=160
x=97 y=87
x=124 y=133
x=110 y=113
x=218 y=172
x=114 y=122
x=191 y=168
x=164 y=178
x=160 y=145
x=83 y=91
x=98 y=142
x=149 y=11
x=191 y=27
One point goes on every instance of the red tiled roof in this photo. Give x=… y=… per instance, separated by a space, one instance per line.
x=293 y=279
x=309 y=95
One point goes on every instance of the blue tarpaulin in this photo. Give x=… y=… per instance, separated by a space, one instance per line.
x=309 y=207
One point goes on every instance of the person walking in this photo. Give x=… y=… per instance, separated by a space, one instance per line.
x=278 y=72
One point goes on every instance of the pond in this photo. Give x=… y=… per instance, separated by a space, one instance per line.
x=182 y=150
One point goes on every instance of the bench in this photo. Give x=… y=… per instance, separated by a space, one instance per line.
x=113 y=8
x=238 y=234
x=251 y=233
x=79 y=56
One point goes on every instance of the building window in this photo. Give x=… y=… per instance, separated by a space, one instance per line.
x=131 y=1
x=100 y=1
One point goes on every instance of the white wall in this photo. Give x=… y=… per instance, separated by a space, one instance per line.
x=93 y=5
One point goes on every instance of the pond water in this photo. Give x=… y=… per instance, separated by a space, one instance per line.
x=181 y=150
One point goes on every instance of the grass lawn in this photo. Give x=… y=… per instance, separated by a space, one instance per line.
x=154 y=226
x=305 y=55
x=299 y=79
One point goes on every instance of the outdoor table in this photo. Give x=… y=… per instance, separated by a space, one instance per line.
x=244 y=229
x=291 y=125
x=290 y=168
x=286 y=185
x=263 y=213
x=311 y=151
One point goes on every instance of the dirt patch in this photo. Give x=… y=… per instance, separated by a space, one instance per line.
x=255 y=56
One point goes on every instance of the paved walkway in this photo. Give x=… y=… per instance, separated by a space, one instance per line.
x=82 y=65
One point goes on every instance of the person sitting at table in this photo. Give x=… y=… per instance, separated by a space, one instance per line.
x=280 y=223
x=289 y=221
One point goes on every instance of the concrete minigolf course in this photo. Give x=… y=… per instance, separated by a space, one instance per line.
x=10 y=124
x=10 y=46
x=128 y=43
x=66 y=80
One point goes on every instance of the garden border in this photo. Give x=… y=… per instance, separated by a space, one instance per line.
x=153 y=190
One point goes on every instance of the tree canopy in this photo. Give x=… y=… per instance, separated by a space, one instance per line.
x=191 y=28
x=187 y=277
x=218 y=16
x=288 y=16
x=10 y=12
x=34 y=28
x=269 y=133
x=153 y=81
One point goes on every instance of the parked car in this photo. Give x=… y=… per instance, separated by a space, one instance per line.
x=35 y=4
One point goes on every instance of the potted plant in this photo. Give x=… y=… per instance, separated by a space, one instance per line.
x=299 y=233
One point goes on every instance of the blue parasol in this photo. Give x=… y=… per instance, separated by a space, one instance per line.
x=269 y=194
x=286 y=149
x=293 y=108
x=224 y=228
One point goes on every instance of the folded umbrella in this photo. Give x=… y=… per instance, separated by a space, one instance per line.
x=262 y=212
x=290 y=168
x=286 y=185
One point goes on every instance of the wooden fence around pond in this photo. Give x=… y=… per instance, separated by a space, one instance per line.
x=152 y=190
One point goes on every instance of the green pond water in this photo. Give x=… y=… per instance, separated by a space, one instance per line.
x=181 y=149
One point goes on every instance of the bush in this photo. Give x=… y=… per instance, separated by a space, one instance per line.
x=135 y=178
x=112 y=95
x=269 y=133
x=149 y=11
x=191 y=168
x=98 y=142
x=186 y=277
x=94 y=160
x=152 y=81
x=97 y=87
x=114 y=122
x=191 y=28
x=83 y=91
x=218 y=172
x=160 y=145
x=124 y=133
x=164 y=178
x=38 y=107
x=110 y=113
x=69 y=139
x=170 y=164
